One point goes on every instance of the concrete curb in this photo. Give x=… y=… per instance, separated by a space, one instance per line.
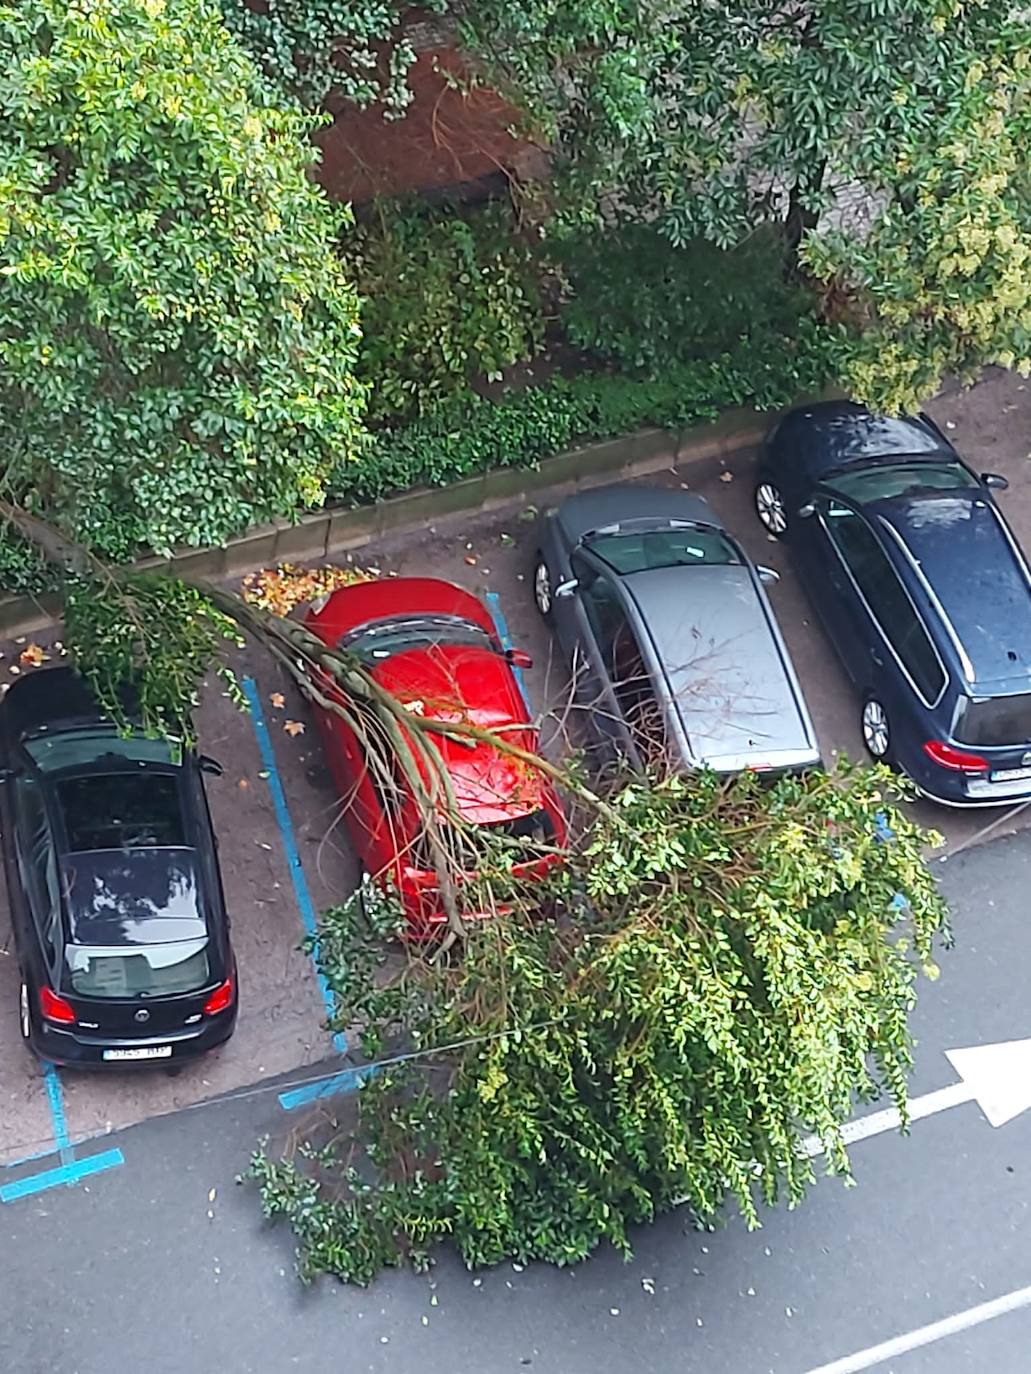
x=337 y=529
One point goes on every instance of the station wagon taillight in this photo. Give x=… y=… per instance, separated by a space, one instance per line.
x=220 y=999
x=54 y=1008
x=946 y=756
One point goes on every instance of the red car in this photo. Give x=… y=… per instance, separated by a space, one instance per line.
x=434 y=647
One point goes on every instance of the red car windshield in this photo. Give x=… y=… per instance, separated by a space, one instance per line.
x=380 y=639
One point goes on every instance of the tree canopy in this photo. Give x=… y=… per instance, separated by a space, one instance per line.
x=176 y=334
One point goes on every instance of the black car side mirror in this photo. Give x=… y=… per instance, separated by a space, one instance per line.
x=207 y=764
x=804 y=512
x=995 y=480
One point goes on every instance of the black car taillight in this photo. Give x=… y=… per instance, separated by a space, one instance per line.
x=220 y=1000
x=958 y=760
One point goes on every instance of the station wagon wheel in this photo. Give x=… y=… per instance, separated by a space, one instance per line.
x=24 y=1012
x=770 y=507
x=876 y=730
x=542 y=587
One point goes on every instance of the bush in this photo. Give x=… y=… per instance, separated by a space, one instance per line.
x=176 y=333
x=734 y=967
x=23 y=570
x=446 y=298
x=473 y=434
x=648 y=305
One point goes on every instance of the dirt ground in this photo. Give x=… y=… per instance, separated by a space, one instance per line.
x=281 y=1025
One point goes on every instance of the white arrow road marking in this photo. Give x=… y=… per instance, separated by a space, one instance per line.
x=927 y=1335
x=996 y=1077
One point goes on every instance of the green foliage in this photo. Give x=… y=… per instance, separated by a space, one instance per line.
x=23 y=570
x=473 y=434
x=176 y=334
x=355 y=49
x=735 y=965
x=147 y=639
x=941 y=281
x=445 y=298
x=644 y=303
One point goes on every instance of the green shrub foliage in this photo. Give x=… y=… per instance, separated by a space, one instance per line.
x=176 y=333
x=731 y=966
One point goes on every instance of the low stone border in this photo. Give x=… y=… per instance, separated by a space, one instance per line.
x=336 y=529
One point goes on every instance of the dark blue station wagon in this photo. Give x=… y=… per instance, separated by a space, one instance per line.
x=920 y=586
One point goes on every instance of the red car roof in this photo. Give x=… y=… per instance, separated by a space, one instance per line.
x=449 y=681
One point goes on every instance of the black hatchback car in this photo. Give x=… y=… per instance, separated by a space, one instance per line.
x=112 y=876
x=921 y=587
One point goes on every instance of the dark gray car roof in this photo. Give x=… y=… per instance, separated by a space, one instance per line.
x=592 y=510
x=731 y=687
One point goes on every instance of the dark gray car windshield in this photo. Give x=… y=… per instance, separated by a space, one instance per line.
x=631 y=551
x=886 y=480
x=76 y=748
x=994 y=721
x=135 y=922
x=383 y=638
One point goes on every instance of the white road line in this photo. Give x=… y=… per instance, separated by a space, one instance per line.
x=876 y=1123
x=927 y=1335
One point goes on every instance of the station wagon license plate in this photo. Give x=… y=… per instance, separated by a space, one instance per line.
x=143 y=1052
x=1010 y=774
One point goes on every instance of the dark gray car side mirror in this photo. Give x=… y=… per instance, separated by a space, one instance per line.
x=995 y=480
x=804 y=512
x=767 y=574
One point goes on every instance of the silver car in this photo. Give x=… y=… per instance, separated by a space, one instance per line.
x=673 y=642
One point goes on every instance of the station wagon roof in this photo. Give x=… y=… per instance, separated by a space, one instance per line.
x=985 y=595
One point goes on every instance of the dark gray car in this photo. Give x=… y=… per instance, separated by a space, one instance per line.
x=671 y=636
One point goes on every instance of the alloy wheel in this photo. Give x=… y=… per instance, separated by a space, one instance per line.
x=876 y=732
x=769 y=506
x=542 y=587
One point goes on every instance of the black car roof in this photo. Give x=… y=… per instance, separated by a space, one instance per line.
x=985 y=593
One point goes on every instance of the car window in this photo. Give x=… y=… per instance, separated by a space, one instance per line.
x=159 y=971
x=635 y=692
x=39 y=862
x=380 y=639
x=122 y=811
x=994 y=721
x=632 y=551
x=882 y=481
x=73 y=748
x=886 y=597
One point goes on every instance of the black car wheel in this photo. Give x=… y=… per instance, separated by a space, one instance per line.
x=25 y=1012
x=770 y=507
x=542 y=593
x=876 y=730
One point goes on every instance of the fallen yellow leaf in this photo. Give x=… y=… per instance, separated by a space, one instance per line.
x=278 y=700
x=34 y=654
x=294 y=727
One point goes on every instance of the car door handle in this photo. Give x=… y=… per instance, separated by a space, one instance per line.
x=875 y=655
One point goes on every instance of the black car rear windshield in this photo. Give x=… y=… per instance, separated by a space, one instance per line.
x=883 y=481
x=677 y=547
x=136 y=923
x=383 y=638
x=994 y=721
x=121 y=811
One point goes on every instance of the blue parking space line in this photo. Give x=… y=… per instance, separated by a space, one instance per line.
x=498 y=615
x=55 y=1101
x=286 y=831
x=348 y=1081
x=63 y=1176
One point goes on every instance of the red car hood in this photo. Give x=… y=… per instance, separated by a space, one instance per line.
x=439 y=683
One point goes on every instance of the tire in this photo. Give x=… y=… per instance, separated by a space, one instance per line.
x=25 y=1013
x=542 y=589
x=770 y=507
x=876 y=730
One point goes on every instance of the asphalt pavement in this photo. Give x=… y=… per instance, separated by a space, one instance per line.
x=165 y=1265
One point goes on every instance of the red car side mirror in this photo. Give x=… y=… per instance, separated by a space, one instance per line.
x=519 y=658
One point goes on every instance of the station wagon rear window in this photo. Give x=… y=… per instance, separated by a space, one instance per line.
x=994 y=721
x=682 y=547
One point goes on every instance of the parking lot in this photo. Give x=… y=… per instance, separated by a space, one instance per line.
x=285 y=856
